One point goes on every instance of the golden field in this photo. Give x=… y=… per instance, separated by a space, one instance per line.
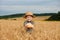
x=13 y=29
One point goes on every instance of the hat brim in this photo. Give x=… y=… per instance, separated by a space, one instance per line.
x=29 y=15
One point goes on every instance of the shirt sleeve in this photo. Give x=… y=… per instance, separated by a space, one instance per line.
x=25 y=23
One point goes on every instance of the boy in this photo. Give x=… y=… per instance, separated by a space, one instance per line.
x=29 y=24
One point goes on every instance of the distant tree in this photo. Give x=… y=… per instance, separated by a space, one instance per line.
x=59 y=12
x=55 y=17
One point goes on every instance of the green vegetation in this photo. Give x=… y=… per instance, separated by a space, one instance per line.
x=55 y=17
x=11 y=16
x=22 y=14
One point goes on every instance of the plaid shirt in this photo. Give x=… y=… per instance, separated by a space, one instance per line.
x=28 y=22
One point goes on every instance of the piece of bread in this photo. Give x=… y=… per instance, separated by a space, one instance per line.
x=29 y=25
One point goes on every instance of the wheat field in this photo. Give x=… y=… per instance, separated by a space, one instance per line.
x=12 y=29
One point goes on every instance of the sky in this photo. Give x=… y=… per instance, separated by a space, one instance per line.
x=8 y=7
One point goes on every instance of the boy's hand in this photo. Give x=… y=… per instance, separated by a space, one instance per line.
x=29 y=25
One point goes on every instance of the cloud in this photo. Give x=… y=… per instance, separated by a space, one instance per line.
x=30 y=8
x=28 y=2
x=17 y=6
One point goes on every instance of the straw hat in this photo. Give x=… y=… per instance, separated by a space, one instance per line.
x=28 y=14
